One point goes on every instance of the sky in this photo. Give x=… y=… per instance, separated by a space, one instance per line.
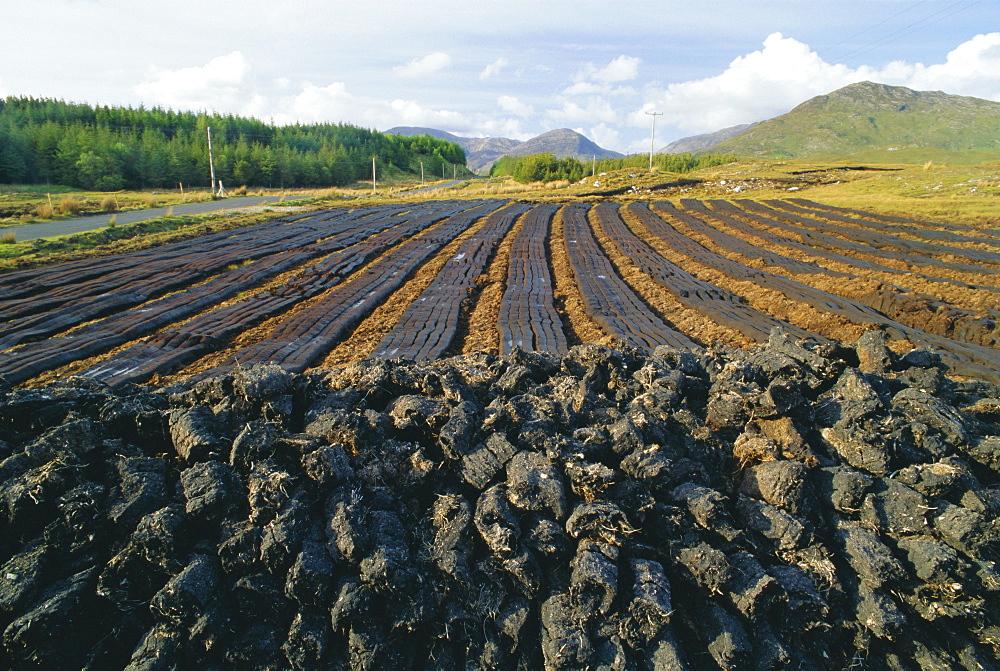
x=511 y=69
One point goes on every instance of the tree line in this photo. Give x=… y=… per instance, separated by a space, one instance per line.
x=545 y=167
x=47 y=141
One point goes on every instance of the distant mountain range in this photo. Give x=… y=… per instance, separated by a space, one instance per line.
x=877 y=121
x=695 y=143
x=482 y=152
x=867 y=121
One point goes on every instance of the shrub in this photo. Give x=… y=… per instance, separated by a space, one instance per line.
x=109 y=204
x=69 y=206
x=44 y=211
x=240 y=191
x=151 y=201
x=8 y=238
x=112 y=220
x=170 y=211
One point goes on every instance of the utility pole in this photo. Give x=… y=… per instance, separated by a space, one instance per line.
x=652 y=134
x=211 y=163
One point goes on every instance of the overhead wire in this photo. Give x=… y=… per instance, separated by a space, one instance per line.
x=911 y=28
x=847 y=39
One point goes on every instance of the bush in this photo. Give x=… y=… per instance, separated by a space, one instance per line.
x=8 y=238
x=109 y=204
x=44 y=211
x=69 y=206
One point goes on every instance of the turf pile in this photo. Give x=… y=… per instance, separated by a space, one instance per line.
x=794 y=505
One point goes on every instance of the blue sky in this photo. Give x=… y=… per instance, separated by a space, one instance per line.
x=512 y=69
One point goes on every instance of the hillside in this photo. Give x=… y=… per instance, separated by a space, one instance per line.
x=693 y=143
x=888 y=122
x=482 y=152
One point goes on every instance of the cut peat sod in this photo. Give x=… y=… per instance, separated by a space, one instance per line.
x=788 y=506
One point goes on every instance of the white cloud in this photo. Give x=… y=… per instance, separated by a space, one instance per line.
x=493 y=68
x=969 y=69
x=410 y=113
x=596 y=109
x=421 y=67
x=225 y=83
x=514 y=106
x=590 y=88
x=786 y=72
x=620 y=69
x=623 y=68
x=335 y=103
x=605 y=136
x=330 y=103
x=756 y=86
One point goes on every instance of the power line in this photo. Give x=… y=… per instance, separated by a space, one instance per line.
x=918 y=25
x=847 y=39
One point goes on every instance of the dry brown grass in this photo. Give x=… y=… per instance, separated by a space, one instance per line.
x=8 y=238
x=69 y=206
x=109 y=204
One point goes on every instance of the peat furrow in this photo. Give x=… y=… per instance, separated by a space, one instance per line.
x=930 y=234
x=720 y=305
x=38 y=289
x=303 y=339
x=607 y=299
x=528 y=318
x=963 y=358
x=701 y=223
x=875 y=216
x=168 y=350
x=906 y=306
x=816 y=244
x=887 y=246
x=44 y=314
x=32 y=359
x=726 y=213
x=428 y=327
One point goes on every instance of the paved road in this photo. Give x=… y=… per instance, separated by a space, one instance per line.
x=51 y=229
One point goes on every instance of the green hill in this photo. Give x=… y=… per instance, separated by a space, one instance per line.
x=877 y=122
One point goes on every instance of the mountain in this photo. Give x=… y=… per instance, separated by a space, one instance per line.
x=482 y=152
x=564 y=142
x=689 y=145
x=433 y=132
x=890 y=122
